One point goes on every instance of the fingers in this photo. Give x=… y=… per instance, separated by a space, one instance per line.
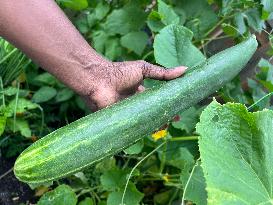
x=159 y=73
x=105 y=97
x=102 y=98
x=140 y=89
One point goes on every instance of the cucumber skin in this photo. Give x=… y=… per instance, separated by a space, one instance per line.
x=110 y=130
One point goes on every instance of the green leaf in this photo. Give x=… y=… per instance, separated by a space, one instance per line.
x=254 y=20
x=113 y=179
x=163 y=198
x=229 y=30
x=135 y=41
x=236 y=153
x=99 y=39
x=124 y=20
x=196 y=189
x=233 y=92
x=64 y=95
x=188 y=119
x=45 y=78
x=89 y=22
x=177 y=156
x=240 y=23
x=154 y=21
x=86 y=201
x=21 y=106
x=75 y=4
x=21 y=126
x=113 y=48
x=132 y=197
x=135 y=148
x=106 y=165
x=101 y=10
x=10 y=91
x=168 y=15
x=3 y=120
x=44 y=94
x=62 y=195
x=173 y=47
x=258 y=93
x=200 y=16
x=266 y=65
x=268 y=5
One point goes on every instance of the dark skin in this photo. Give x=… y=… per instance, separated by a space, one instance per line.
x=42 y=31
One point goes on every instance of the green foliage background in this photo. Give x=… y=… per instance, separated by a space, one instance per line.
x=170 y=33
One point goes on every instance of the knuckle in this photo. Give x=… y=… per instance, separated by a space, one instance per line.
x=146 y=67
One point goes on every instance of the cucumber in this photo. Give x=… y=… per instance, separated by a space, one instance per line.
x=110 y=130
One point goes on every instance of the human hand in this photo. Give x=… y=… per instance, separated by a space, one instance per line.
x=115 y=81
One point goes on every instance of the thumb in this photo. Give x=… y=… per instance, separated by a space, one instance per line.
x=159 y=73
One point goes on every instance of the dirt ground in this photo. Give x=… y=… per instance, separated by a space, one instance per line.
x=13 y=192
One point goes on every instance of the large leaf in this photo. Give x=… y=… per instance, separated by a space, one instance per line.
x=124 y=20
x=168 y=15
x=173 y=47
x=62 y=195
x=20 y=125
x=135 y=41
x=240 y=23
x=236 y=153
x=188 y=119
x=154 y=21
x=268 y=5
x=254 y=20
x=132 y=197
x=113 y=179
x=113 y=48
x=200 y=16
x=195 y=190
x=21 y=105
x=99 y=39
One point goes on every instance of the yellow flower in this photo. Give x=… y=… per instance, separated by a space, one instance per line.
x=166 y=178
x=159 y=134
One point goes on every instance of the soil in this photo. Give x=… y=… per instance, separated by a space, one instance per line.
x=12 y=191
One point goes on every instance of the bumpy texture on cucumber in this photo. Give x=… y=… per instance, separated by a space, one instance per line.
x=108 y=131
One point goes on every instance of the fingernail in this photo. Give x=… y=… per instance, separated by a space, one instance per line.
x=182 y=68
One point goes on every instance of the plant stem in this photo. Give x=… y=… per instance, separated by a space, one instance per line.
x=6 y=173
x=163 y=160
x=256 y=103
x=2 y=89
x=187 y=184
x=129 y=176
x=146 y=56
x=187 y=138
x=15 y=108
x=214 y=27
x=42 y=120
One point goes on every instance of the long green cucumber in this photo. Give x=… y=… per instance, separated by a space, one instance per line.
x=110 y=130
